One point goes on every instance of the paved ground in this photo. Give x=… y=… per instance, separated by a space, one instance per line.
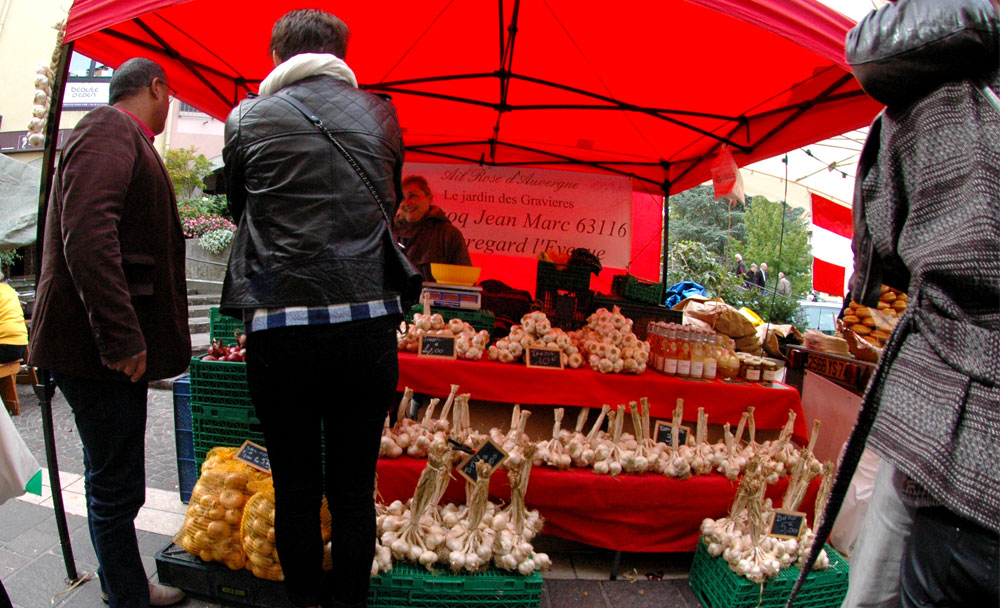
x=33 y=571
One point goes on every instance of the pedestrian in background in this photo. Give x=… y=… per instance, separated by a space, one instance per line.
x=784 y=287
x=308 y=273
x=13 y=331
x=111 y=310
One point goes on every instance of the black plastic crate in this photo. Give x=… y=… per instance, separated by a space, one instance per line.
x=561 y=277
x=641 y=314
x=566 y=310
x=178 y=568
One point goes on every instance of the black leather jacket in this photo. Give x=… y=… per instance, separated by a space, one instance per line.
x=309 y=231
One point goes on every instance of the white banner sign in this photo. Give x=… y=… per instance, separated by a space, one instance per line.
x=86 y=95
x=521 y=211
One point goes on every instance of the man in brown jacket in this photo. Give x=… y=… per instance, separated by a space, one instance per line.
x=111 y=309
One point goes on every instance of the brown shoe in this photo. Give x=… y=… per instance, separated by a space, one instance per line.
x=161 y=595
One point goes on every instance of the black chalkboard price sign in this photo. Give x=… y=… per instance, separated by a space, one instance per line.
x=254 y=455
x=490 y=453
x=664 y=433
x=437 y=347
x=550 y=358
x=786 y=524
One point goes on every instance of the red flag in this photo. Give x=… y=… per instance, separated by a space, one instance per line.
x=831 y=216
x=828 y=278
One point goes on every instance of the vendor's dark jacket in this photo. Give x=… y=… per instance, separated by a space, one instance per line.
x=112 y=278
x=433 y=239
x=309 y=232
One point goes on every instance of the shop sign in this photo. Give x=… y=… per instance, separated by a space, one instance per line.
x=522 y=212
x=86 y=94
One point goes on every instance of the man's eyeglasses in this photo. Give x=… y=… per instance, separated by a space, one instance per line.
x=171 y=92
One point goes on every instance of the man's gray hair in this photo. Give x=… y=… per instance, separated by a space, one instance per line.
x=133 y=76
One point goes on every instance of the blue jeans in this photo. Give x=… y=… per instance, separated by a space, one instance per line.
x=111 y=419
x=343 y=376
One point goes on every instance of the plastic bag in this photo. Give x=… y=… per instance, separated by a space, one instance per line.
x=258 y=536
x=19 y=471
x=211 y=529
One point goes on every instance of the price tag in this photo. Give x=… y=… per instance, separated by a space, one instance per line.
x=490 y=453
x=254 y=455
x=786 y=524
x=437 y=347
x=664 y=433
x=550 y=358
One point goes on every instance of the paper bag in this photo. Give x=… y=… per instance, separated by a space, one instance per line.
x=19 y=471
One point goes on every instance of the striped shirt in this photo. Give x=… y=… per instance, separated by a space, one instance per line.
x=272 y=318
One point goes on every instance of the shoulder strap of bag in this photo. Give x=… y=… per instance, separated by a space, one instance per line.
x=988 y=94
x=315 y=120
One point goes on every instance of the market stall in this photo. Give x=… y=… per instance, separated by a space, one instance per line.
x=572 y=98
x=490 y=381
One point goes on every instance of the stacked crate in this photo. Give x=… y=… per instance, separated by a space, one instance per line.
x=564 y=292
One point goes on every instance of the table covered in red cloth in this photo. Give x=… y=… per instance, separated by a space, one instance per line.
x=641 y=513
x=514 y=383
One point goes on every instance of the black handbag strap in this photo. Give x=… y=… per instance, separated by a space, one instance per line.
x=315 y=120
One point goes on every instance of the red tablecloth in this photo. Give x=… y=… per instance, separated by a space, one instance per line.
x=513 y=383
x=643 y=513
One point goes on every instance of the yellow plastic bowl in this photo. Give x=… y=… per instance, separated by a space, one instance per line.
x=451 y=274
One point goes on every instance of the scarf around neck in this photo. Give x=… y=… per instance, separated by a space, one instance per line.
x=305 y=65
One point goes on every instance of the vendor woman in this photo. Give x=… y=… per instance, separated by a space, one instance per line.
x=425 y=231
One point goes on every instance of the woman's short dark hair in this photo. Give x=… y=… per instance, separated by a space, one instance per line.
x=419 y=181
x=309 y=31
x=133 y=76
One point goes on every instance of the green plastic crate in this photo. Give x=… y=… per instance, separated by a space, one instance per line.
x=216 y=426
x=219 y=383
x=719 y=587
x=634 y=288
x=222 y=327
x=415 y=587
x=479 y=319
x=561 y=277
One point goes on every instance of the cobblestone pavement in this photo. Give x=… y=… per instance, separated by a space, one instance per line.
x=161 y=463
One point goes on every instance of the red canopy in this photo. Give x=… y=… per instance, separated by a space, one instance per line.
x=648 y=89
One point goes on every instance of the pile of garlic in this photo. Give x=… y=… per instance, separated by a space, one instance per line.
x=413 y=437
x=44 y=78
x=414 y=531
x=460 y=537
x=39 y=112
x=609 y=345
x=741 y=538
x=469 y=344
x=535 y=330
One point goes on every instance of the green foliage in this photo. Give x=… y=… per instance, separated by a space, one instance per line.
x=770 y=307
x=705 y=235
x=216 y=241
x=692 y=261
x=764 y=237
x=695 y=215
x=204 y=206
x=8 y=257
x=186 y=168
